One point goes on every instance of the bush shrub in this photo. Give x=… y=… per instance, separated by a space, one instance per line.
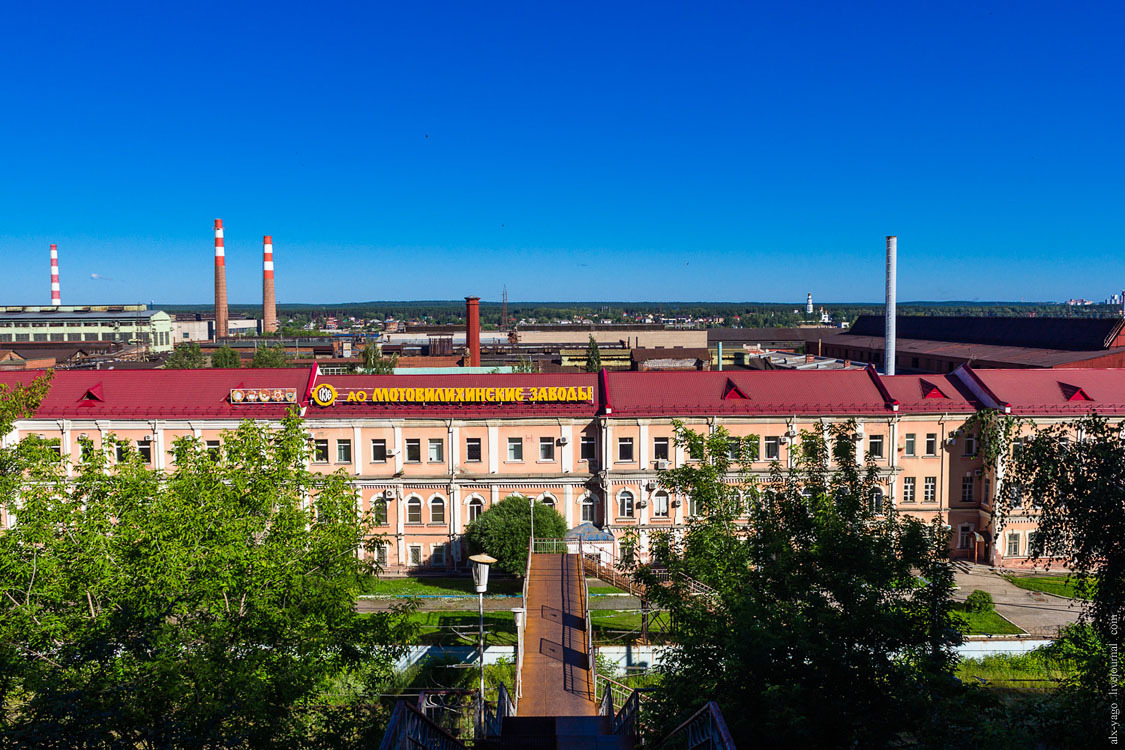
x=979 y=601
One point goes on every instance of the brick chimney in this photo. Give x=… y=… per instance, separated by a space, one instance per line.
x=56 y=294
x=269 y=303
x=472 y=329
x=220 y=283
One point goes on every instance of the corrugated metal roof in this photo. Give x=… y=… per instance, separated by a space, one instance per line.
x=50 y=315
x=930 y=394
x=1070 y=334
x=1050 y=392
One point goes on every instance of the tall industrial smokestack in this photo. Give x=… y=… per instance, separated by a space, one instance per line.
x=472 y=329
x=56 y=292
x=269 y=303
x=892 y=273
x=220 y=283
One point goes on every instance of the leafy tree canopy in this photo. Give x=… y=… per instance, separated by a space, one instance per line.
x=226 y=357
x=212 y=606
x=270 y=356
x=186 y=357
x=503 y=530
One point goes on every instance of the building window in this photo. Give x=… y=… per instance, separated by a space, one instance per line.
x=734 y=445
x=970 y=445
x=472 y=449
x=414 y=451
x=548 y=500
x=586 y=448
x=378 y=451
x=437 y=450
x=144 y=447
x=910 y=440
x=437 y=510
x=320 y=451
x=381 y=555
x=1013 y=545
x=660 y=504
x=414 y=510
x=515 y=449
x=546 y=449
x=437 y=555
x=625 y=449
x=121 y=452
x=929 y=489
x=967 y=489
x=965 y=536
x=660 y=449
x=476 y=505
x=415 y=554
x=379 y=508
x=908 y=489
x=875 y=446
x=693 y=506
x=625 y=505
x=931 y=443
x=588 y=509
x=343 y=451
x=213 y=449
x=875 y=501
x=773 y=448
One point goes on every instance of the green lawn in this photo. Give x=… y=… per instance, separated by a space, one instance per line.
x=438 y=586
x=1033 y=671
x=459 y=627
x=1056 y=584
x=984 y=623
x=599 y=588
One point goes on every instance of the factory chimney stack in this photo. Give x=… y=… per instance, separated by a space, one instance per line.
x=56 y=292
x=472 y=329
x=220 y=283
x=269 y=302
x=892 y=277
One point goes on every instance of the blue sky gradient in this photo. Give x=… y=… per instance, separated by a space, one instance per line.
x=572 y=151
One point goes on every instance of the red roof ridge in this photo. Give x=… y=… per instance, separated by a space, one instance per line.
x=890 y=401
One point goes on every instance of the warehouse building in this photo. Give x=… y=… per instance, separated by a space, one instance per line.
x=133 y=325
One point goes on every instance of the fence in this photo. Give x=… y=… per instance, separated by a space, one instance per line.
x=409 y=729
x=703 y=729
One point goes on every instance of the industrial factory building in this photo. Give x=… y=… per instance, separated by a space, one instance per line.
x=428 y=453
x=133 y=325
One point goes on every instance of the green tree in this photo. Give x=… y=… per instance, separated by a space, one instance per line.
x=524 y=364
x=270 y=356
x=503 y=530
x=213 y=606
x=374 y=363
x=593 y=356
x=186 y=357
x=817 y=633
x=227 y=357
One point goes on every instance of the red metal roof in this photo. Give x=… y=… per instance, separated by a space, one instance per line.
x=162 y=394
x=805 y=392
x=462 y=405
x=930 y=394
x=1052 y=392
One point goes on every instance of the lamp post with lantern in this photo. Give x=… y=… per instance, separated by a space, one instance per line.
x=481 y=563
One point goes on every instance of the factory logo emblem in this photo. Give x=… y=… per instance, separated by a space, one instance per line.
x=324 y=395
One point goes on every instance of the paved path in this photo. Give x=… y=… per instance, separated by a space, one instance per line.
x=1034 y=611
x=556 y=678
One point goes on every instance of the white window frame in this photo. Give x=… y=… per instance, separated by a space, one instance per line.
x=437 y=501
x=661 y=503
x=622 y=442
x=345 y=444
x=515 y=446
x=383 y=444
x=411 y=549
x=632 y=504
x=410 y=503
x=437 y=555
x=439 y=444
x=909 y=490
x=474 y=506
x=547 y=449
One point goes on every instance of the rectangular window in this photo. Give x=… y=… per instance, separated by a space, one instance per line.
x=546 y=449
x=415 y=554
x=343 y=451
x=437 y=555
x=1013 y=545
x=144 y=447
x=414 y=451
x=773 y=448
x=121 y=452
x=437 y=450
x=966 y=536
x=379 y=508
x=587 y=448
x=213 y=448
x=734 y=445
x=472 y=449
x=909 y=444
x=515 y=449
x=660 y=450
x=320 y=451
x=625 y=449
x=967 y=489
x=875 y=446
x=908 y=489
x=929 y=490
x=970 y=445
x=378 y=451
x=931 y=443
x=660 y=505
x=381 y=554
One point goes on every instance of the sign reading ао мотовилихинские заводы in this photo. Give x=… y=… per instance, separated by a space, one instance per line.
x=327 y=395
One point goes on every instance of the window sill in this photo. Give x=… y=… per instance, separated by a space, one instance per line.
x=546 y=461
x=514 y=461
x=624 y=461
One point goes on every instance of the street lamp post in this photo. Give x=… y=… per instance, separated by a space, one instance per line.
x=531 y=507
x=480 y=579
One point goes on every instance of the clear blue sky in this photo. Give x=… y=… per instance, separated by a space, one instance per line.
x=573 y=151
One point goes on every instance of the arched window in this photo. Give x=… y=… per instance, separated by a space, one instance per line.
x=692 y=506
x=660 y=504
x=875 y=500
x=588 y=509
x=547 y=499
x=437 y=510
x=476 y=505
x=414 y=510
x=625 y=504
x=379 y=509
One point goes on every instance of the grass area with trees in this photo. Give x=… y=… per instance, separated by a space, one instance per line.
x=1058 y=585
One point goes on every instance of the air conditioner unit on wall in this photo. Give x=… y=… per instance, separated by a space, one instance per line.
x=784 y=440
x=389 y=494
x=642 y=503
x=676 y=503
x=650 y=485
x=392 y=452
x=563 y=441
x=662 y=464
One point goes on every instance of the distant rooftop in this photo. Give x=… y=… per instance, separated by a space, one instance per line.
x=1067 y=334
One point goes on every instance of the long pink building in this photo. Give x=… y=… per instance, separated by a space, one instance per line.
x=428 y=453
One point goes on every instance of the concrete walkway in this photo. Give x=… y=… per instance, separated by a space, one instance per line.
x=1036 y=612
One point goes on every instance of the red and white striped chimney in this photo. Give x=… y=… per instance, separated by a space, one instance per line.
x=269 y=302
x=56 y=292
x=220 y=283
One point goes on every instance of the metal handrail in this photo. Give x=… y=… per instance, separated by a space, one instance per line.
x=494 y=721
x=706 y=728
x=409 y=728
x=591 y=654
x=455 y=717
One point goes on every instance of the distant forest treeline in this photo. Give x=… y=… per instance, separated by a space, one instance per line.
x=744 y=314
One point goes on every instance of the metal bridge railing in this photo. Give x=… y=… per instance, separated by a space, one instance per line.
x=705 y=729
x=409 y=729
